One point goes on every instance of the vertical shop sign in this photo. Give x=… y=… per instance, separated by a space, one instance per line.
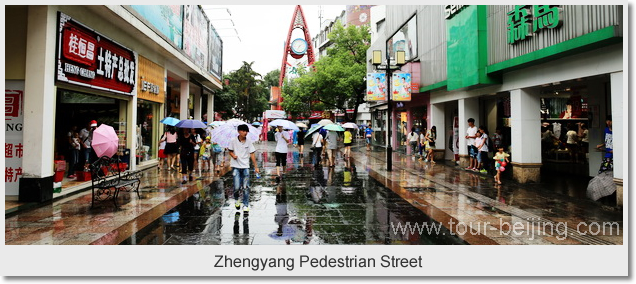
x=13 y=146
x=87 y=58
x=376 y=87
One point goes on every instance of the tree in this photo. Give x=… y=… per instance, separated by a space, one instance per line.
x=271 y=78
x=245 y=97
x=337 y=79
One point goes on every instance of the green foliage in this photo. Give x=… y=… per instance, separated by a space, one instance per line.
x=271 y=79
x=246 y=95
x=336 y=81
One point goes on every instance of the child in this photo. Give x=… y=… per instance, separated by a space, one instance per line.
x=205 y=153
x=162 y=156
x=479 y=142
x=217 y=157
x=241 y=150
x=501 y=160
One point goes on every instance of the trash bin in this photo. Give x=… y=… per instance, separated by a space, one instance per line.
x=60 y=169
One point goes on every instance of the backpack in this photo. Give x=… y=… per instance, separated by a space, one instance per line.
x=216 y=148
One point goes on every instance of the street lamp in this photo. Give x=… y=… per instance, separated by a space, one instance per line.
x=400 y=57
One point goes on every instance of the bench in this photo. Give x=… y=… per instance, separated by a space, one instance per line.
x=109 y=176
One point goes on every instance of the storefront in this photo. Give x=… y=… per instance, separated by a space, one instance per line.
x=151 y=96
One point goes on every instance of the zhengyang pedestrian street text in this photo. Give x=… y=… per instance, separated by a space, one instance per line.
x=260 y=264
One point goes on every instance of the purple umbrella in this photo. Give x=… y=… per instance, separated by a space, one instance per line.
x=191 y=123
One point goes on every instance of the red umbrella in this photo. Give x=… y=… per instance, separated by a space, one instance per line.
x=105 y=141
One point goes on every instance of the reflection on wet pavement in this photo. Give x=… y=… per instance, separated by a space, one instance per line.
x=324 y=205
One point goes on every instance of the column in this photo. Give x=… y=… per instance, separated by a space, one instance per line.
x=210 y=108
x=437 y=120
x=468 y=108
x=36 y=183
x=183 y=99
x=197 y=105
x=618 y=136
x=526 y=135
x=130 y=118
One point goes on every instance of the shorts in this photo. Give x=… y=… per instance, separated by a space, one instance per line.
x=347 y=144
x=281 y=159
x=472 y=151
x=331 y=153
x=368 y=140
x=161 y=154
x=171 y=148
x=301 y=142
x=205 y=158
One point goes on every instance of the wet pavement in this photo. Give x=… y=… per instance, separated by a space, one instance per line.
x=355 y=202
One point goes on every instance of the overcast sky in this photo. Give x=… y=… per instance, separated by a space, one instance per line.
x=262 y=31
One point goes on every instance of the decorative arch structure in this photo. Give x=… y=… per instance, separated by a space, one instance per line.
x=298 y=22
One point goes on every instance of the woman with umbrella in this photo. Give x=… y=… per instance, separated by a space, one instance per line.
x=282 y=139
x=170 y=137
x=187 y=142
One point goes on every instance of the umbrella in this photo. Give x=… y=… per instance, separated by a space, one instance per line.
x=286 y=124
x=362 y=125
x=311 y=131
x=300 y=124
x=105 y=141
x=170 y=121
x=350 y=125
x=325 y=122
x=217 y=123
x=190 y=123
x=256 y=123
x=223 y=134
x=333 y=127
x=171 y=217
x=287 y=233
x=601 y=185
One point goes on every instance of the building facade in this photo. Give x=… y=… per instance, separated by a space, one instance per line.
x=520 y=69
x=124 y=66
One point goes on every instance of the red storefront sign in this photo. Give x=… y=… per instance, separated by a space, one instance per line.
x=87 y=58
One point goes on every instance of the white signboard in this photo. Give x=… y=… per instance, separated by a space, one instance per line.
x=275 y=114
x=13 y=146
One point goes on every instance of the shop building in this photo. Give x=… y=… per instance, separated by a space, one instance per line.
x=116 y=65
x=520 y=69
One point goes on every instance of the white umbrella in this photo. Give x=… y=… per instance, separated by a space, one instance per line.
x=300 y=124
x=325 y=122
x=286 y=124
x=350 y=125
x=223 y=134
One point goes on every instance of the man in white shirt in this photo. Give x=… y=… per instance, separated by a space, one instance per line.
x=282 y=140
x=471 y=134
x=241 y=150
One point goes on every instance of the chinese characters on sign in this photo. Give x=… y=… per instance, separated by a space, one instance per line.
x=13 y=143
x=88 y=58
x=526 y=20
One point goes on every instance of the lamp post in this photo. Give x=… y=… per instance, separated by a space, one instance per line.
x=400 y=57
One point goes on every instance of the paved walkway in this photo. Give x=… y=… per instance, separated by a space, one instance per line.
x=353 y=203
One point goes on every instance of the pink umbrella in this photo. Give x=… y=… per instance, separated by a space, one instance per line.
x=105 y=141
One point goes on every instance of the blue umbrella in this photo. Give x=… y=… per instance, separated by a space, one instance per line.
x=256 y=123
x=171 y=217
x=190 y=123
x=170 y=121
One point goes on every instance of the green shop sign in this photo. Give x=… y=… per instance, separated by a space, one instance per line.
x=526 y=20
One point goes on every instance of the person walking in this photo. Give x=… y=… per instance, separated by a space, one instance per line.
x=218 y=157
x=348 y=140
x=282 y=140
x=317 y=144
x=171 y=150
x=301 y=140
x=471 y=133
x=501 y=160
x=430 y=137
x=186 y=142
x=412 y=139
x=332 y=147
x=368 y=133
x=205 y=153
x=608 y=159
x=584 y=138
x=241 y=150
x=197 y=148
x=162 y=153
